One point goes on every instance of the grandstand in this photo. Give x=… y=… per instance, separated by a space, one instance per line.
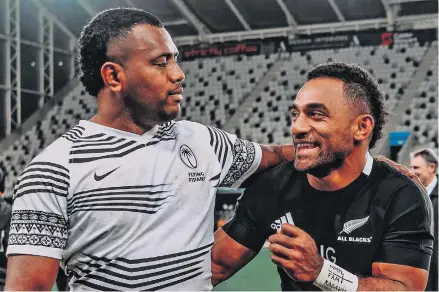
x=244 y=64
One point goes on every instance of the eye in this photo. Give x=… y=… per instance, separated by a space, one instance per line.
x=162 y=65
x=294 y=114
x=316 y=114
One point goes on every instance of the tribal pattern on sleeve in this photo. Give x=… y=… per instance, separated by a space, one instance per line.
x=36 y=228
x=243 y=157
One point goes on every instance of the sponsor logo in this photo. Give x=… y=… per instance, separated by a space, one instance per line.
x=188 y=157
x=349 y=227
x=101 y=177
x=287 y=218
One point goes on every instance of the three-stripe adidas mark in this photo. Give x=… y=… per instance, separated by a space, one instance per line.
x=287 y=218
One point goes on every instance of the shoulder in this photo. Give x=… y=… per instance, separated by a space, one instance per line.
x=404 y=194
x=275 y=178
x=188 y=125
x=392 y=180
x=59 y=150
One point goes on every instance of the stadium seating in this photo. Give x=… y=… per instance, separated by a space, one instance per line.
x=421 y=116
x=393 y=68
x=215 y=87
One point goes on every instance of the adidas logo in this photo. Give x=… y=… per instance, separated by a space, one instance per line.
x=287 y=218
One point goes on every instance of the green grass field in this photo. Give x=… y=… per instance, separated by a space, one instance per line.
x=259 y=275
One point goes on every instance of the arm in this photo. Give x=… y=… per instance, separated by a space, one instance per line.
x=274 y=155
x=228 y=257
x=31 y=273
x=39 y=201
x=296 y=252
x=241 y=238
x=394 y=277
x=239 y=159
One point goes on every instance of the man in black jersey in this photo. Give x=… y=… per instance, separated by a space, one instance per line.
x=336 y=218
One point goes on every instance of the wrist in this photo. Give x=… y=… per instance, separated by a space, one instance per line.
x=335 y=278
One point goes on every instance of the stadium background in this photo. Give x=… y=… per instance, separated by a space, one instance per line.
x=244 y=62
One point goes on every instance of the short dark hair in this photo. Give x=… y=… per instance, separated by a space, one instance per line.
x=428 y=155
x=106 y=26
x=359 y=86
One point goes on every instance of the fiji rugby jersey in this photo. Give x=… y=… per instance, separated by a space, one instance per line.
x=382 y=216
x=125 y=211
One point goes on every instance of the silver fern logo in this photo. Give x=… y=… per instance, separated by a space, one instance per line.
x=350 y=226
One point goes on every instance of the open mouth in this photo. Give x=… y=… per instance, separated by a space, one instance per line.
x=305 y=148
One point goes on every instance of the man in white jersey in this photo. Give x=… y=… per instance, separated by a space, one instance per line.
x=125 y=201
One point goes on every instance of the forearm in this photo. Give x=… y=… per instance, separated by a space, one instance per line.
x=379 y=284
x=385 y=277
x=219 y=273
x=276 y=154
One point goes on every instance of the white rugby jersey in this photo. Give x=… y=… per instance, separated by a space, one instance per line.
x=125 y=211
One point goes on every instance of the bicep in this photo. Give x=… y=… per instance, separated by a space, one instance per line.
x=413 y=279
x=27 y=272
x=228 y=256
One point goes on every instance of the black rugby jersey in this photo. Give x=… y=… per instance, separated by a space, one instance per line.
x=382 y=216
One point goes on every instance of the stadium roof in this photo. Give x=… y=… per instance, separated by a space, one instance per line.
x=193 y=21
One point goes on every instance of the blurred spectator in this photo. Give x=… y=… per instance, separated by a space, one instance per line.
x=424 y=164
x=5 y=217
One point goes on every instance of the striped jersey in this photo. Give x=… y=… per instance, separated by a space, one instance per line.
x=125 y=211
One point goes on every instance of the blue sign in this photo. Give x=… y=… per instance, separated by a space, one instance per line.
x=398 y=138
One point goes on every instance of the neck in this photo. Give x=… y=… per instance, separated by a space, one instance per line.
x=341 y=177
x=113 y=113
x=429 y=181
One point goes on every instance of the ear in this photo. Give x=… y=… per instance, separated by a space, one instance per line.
x=431 y=167
x=363 y=127
x=113 y=76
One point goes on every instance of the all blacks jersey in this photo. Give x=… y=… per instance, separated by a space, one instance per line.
x=382 y=216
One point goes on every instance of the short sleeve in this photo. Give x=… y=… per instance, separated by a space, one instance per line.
x=246 y=226
x=238 y=158
x=408 y=239
x=39 y=214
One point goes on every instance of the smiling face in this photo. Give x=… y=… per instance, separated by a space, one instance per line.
x=152 y=78
x=321 y=126
x=424 y=170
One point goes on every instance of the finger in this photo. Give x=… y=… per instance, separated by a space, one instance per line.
x=281 y=262
x=292 y=231
x=280 y=250
x=282 y=239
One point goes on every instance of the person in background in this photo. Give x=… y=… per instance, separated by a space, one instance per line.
x=424 y=164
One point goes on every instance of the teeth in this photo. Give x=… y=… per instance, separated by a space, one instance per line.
x=305 y=144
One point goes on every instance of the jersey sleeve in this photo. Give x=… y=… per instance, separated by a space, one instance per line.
x=238 y=158
x=246 y=226
x=39 y=214
x=408 y=239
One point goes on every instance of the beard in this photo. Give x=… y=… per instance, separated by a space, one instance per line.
x=323 y=165
x=147 y=114
x=327 y=159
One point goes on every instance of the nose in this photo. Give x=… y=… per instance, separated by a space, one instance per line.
x=300 y=126
x=176 y=75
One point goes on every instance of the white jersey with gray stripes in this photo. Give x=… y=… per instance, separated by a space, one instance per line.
x=125 y=211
